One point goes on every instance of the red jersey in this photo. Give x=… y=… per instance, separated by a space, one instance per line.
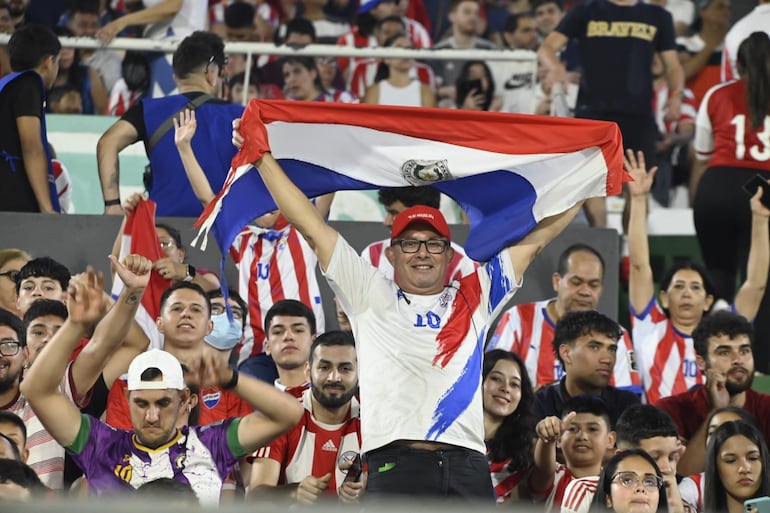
x=555 y=494
x=214 y=404
x=314 y=448
x=505 y=481
x=723 y=132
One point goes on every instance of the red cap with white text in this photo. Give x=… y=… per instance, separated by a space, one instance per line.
x=420 y=214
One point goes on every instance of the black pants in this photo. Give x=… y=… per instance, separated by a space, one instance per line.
x=722 y=218
x=397 y=471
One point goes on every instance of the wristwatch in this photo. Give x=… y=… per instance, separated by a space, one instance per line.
x=190 y=273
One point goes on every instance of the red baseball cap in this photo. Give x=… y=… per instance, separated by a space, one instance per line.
x=420 y=214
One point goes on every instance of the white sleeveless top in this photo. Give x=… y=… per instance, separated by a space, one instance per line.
x=407 y=96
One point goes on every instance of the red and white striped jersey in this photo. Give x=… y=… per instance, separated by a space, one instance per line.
x=356 y=39
x=579 y=494
x=666 y=357
x=686 y=115
x=314 y=448
x=505 y=481
x=365 y=70
x=554 y=496
x=723 y=132
x=460 y=266
x=418 y=34
x=691 y=490
x=122 y=98
x=63 y=182
x=46 y=456
x=273 y=265
x=527 y=330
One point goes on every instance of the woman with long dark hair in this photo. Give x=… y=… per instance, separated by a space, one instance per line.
x=302 y=81
x=508 y=420
x=630 y=482
x=732 y=144
x=737 y=461
x=395 y=82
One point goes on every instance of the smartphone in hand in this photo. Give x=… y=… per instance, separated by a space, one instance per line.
x=756 y=182
x=762 y=504
x=356 y=468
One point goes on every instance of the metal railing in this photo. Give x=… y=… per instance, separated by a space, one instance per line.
x=315 y=50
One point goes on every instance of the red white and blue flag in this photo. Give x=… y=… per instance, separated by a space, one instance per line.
x=506 y=171
x=140 y=238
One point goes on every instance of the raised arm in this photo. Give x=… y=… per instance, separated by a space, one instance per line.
x=749 y=296
x=158 y=12
x=111 y=143
x=275 y=412
x=524 y=252
x=56 y=412
x=641 y=286
x=106 y=352
x=184 y=130
x=548 y=55
x=548 y=432
x=298 y=210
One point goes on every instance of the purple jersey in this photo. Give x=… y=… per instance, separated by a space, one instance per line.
x=114 y=460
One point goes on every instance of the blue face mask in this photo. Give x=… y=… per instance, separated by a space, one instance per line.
x=226 y=334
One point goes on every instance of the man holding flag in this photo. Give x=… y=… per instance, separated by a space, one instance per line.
x=419 y=342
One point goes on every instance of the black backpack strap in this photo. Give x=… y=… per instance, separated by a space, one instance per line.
x=164 y=127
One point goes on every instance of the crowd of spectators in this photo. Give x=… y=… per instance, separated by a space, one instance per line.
x=575 y=412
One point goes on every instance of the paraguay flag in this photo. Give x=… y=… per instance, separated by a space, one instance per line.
x=506 y=171
x=140 y=238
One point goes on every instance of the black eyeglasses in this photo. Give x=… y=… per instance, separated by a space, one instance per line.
x=11 y=275
x=217 y=309
x=433 y=246
x=630 y=479
x=9 y=347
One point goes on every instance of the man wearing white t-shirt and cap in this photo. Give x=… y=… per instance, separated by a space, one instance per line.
x=418 y=341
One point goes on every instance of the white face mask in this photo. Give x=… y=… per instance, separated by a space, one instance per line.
x=226 y=333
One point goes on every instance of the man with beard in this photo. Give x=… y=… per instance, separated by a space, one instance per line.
x=312 y=460
x=18 y=8
x=723 y=351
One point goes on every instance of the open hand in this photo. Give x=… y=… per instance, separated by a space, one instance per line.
x=184 y=127
x=643 y=179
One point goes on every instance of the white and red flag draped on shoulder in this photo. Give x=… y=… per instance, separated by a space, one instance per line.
x=140 y=238
x=506 y=171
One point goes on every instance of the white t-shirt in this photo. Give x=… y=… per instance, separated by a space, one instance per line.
x=191 y=17
x=419 y=357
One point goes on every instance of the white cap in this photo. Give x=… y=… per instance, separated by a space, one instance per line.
x=166 y=363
